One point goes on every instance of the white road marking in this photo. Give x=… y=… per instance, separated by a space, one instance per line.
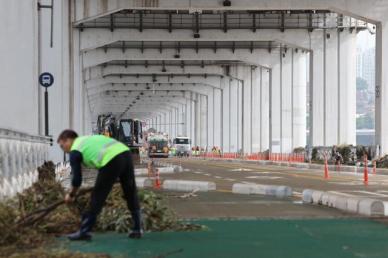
x=371 y=193
x=249 y=183
x=206 y=174
x=382 y=191
x=218 y=177
x=341 y=193
x=229 y=179
x=241 y=169
x=262 y=177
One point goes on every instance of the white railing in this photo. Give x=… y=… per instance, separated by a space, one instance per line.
x=20 y=155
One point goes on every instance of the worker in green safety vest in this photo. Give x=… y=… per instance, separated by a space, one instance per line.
x=113 y=161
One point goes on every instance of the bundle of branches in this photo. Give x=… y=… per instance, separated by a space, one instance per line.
x=37 y=214
x=382 y=162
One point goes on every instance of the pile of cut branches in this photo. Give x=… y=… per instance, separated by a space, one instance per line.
x=38 y=214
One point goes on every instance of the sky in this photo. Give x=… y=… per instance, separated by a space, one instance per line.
x=365 y=40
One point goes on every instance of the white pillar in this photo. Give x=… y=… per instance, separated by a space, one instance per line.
x=317 y=89
x=299 y=99
x=256 y=110
x=203 y=121
x=197 y=122
x=275 y=106
x=347 y=86
x=381 y=95
x=286 y=101
x=264 y=109
x=333 y=88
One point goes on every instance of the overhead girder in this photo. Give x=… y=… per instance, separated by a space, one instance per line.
x=162 y=88
x=213 y=81
x=101 y=71
x=133 y=102
x=260 y=57
x=370 y=11
x=97 y=38
x=127 y=98
x=123 y=109
x=131 y=99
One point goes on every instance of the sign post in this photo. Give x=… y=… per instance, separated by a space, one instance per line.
x=46 y=80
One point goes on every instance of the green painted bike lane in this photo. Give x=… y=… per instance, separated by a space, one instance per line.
x=266 y=238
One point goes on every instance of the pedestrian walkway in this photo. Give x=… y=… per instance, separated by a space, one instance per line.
x=316 y=238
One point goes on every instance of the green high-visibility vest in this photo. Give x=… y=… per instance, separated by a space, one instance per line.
x=97 y=150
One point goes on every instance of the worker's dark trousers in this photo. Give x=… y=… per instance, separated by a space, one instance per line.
x=120 y=167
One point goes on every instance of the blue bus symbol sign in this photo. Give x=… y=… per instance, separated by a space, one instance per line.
x=46 y=79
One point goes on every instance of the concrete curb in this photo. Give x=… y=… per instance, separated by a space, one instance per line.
x=353 y=204
x=162 y=170
x=279 y=191
x=344 y=168
x=143 y=182
x=185 y=185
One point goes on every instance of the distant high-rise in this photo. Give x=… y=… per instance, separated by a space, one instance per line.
x=368 y=67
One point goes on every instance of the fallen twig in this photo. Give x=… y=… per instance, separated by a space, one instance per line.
x=37 y=215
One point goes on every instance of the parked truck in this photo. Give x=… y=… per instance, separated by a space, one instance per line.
x=158 y=146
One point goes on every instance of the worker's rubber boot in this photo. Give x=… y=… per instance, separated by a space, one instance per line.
x=137 y=231
x=87 y=223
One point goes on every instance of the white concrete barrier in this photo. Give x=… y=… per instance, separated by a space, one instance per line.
x=186 y=185
x=325 y=198
x=242 y=188
x=363 y=206
x=178 y=169
x=341 y=203
x=280 y=191
x=371 y=207
x=166 y=170
x=352 y=204
x=317 y=197
x=307 y=196
x=162 y=170
x=143 y=182
x=141 y=171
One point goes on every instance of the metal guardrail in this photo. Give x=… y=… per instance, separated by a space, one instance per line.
x=20 y=155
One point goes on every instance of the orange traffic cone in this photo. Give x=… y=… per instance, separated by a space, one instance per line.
x=157 y=183
x=366 y=179
x=326 y=170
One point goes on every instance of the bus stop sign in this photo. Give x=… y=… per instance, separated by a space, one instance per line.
x=46 y=79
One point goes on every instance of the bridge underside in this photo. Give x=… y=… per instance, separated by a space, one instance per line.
x=246 y=77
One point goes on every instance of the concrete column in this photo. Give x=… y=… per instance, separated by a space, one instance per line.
x=317 y=72
x=255 y=110
x=275 y=106
x=286 y=101
x=264 y=109
x=244 y=73
x=347 y=88
x=213 y=118
x=299 y=99
x=221 y=116
x=333 y=90
x=197 y=130
x=216 y=118
x=381 y=94
x=229 y=116
x=203 y=126
x=331 y=81
x=165 y=122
